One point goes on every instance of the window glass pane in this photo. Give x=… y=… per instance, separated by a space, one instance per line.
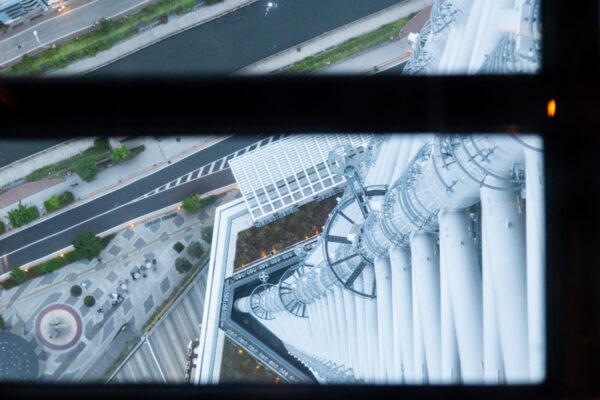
x=266 y=37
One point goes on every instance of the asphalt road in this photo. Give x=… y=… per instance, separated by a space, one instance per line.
x=112 y=209
x=64 y=24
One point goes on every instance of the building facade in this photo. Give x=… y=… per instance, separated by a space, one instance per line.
x=12 y=11
x=278 y=178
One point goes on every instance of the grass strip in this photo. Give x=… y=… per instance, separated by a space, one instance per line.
x=51 y=265
x=108 y=33
x=98 y=152
x=349 y=48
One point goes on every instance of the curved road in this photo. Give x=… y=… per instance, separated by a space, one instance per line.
x=119 y=206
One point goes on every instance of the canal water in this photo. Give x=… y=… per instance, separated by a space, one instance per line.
x=13 y=150
x=242 y=37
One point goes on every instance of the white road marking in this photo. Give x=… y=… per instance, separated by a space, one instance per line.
x=73 y=32
x=67 y=229
x=155 y=359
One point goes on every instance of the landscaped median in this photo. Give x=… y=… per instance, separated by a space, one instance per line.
x=108 y=33
x=87 y=245
x=349 y=48
x=98 y=152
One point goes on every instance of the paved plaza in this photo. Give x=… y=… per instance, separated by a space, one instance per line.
x=131 y=248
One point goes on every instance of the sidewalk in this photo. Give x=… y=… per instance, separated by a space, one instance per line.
x=176 y=24
x=17 y=170
x=372 y=61
x=331 y=39
x=157 y=155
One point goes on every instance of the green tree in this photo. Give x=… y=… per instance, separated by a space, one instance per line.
x=66 y=198
x=52 y=203
x=208 y=200
x=178 y=247
x=76 y=290
x=182 y=265
x=2 y=322
x=195 y=249
x=191 y=203
x=40 y=269
x=119 y=154
x=89 y=301
x=2 y=227
x=72 y=256
x=87 y=169
x=18 y=275
x=22 y=215
x=88 y=245
x=207 y=233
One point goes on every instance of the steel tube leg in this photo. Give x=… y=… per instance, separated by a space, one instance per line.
x=504 y=225
x=450 y=358
x=383 y=278
x=403 y=312
x=464 y=278
x=534 y=184
x=426 y=267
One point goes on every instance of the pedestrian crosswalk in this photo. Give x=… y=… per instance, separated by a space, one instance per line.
x=210 y=168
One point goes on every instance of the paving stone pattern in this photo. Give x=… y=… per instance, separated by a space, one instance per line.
x=148 y=304
x=111 y=277
x=114 y=250
x=139 y=243
x=165 y=285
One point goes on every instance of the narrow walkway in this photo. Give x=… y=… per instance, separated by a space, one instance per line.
x=331 y=39
x=27 y=189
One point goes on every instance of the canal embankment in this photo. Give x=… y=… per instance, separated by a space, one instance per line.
x=329 y=40
x=153 y=34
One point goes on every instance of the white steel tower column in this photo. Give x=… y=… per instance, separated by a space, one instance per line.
x=385 y=317
x=403 y=312
x=464 y=278
x=534 y=184
x=492 y=353
x=503 y=227
x=426 y=269
x=450 y=358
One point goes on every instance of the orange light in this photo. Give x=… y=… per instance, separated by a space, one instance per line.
x=62 y=255
x=179 y=207
x=551 y=108
x=263 y=254
x=305 y=237
x=316 y=232
x=240 y=351
x=257 y=366
x=274 y=251
x=277 y=379
x=26 y=269
x=242 y=264
x=132 y=225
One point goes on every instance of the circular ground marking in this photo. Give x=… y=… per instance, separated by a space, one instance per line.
x=18 y=361
x=68 y=330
